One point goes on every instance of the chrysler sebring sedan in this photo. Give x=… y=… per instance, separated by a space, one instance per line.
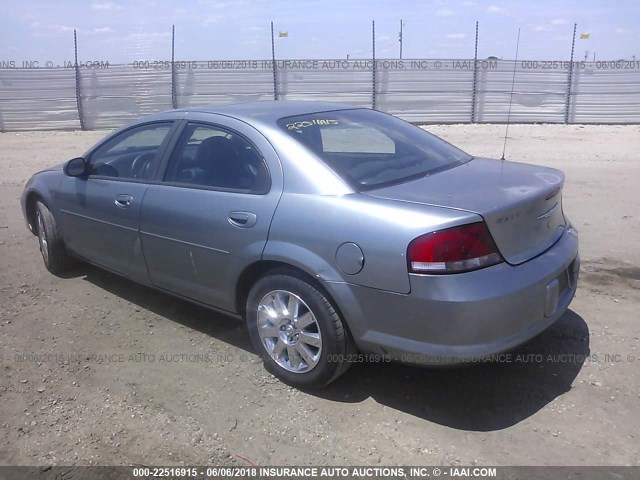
x=336 y=233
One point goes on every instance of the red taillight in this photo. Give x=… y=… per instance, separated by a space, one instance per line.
x=457 y=249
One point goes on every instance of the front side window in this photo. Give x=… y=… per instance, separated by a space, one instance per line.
x=132 y=154
x=213 y=157
x=370 y=149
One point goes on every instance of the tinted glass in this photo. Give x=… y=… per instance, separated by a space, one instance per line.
x=370 y=149
x=132 y=154
x=213 y=157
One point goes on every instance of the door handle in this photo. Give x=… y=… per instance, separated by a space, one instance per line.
x=123 y=201
x=242 y=219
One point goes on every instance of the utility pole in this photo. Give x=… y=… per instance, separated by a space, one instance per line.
x=400 y=37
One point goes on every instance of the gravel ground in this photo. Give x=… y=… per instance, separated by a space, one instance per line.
x=98 y=370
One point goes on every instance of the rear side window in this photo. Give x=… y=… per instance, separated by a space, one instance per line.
x=213 y=157
x=132 y=154
x=370 y=149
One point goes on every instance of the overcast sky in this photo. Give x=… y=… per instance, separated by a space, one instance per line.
x=123 y=31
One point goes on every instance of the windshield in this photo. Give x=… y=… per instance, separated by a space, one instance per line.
x=370 y=149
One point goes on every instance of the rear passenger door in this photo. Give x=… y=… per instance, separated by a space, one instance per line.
x=210 y=215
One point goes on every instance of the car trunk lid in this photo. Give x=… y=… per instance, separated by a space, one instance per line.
x=520 y=203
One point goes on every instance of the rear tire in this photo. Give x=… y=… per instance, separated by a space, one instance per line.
x=52 y=248
x=296 y=330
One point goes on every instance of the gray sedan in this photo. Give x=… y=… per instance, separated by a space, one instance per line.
x=339 y=234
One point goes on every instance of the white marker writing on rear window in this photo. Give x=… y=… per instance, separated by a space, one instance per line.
x=309 y=123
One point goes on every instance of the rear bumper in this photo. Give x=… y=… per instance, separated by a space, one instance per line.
x=451 y=319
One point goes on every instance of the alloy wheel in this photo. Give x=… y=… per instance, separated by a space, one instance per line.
x=42 y=238
x=289 y=331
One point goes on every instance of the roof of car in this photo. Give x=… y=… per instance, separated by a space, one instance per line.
x=267 y=111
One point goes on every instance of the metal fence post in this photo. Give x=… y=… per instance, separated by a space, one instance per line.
x=373 y=38
x=174 y=98
x=475 y=79
x=567 y=105
x=273 y=62
x=78 y=96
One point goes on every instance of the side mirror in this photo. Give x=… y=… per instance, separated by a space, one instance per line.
x=76 y=167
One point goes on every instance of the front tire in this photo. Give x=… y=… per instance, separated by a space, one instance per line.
x=52 y=248
x=297 y=331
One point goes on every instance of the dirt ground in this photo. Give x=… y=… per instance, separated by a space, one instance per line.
x=98 y=370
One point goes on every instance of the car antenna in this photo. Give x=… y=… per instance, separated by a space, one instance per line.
x=513 y=82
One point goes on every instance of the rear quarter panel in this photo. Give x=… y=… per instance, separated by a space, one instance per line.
x=307 y=230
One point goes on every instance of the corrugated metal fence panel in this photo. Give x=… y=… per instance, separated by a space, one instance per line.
x=121 y=93
x=343 y=81
x=606 y=92
x=38 y=99
x=217 y=86
x=539 y=94
x=431 y=95
x=41 y=99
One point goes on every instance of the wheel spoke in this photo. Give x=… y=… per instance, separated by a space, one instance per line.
x=292 y=306
x=279 y=305
x=305 y=353
x=278 y=348
x=294 y=357
x=305 y=320
x=310 y=338
x=268 y=331
x=266 y=313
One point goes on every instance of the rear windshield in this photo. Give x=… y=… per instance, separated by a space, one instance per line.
x=370 y=149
